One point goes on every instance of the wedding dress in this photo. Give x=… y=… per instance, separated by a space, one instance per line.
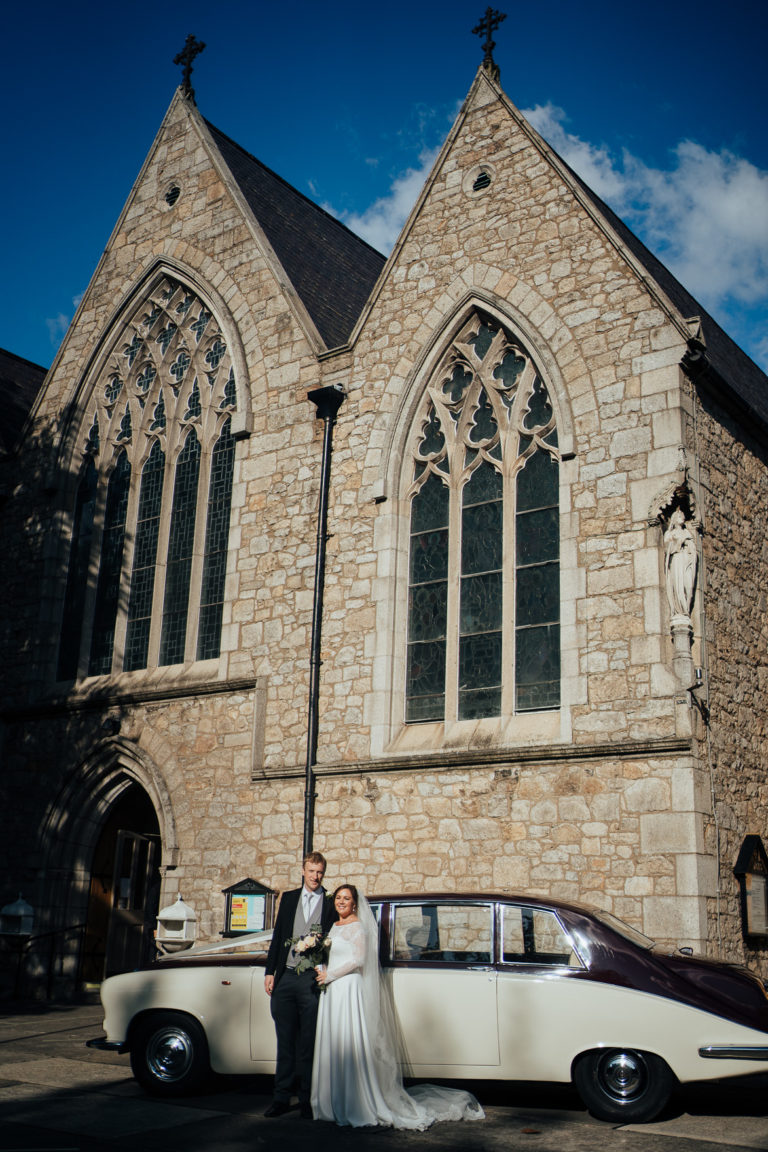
x=356 y=1078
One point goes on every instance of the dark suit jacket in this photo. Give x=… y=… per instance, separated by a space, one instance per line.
x=278 y=953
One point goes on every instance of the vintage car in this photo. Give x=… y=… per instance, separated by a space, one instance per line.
x=486 y=988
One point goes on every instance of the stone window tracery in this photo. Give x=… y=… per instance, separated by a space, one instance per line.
x=152 y=508
x=483 y=634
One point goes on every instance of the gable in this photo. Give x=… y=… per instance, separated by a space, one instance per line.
x=331 y=268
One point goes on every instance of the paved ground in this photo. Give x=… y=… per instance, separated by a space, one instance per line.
x=56 y=1095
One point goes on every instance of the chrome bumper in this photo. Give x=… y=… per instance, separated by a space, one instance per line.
x=105 y=1045
x=734 y=1052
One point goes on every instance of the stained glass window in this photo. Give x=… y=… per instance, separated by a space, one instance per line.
x=216 y=539
x=77 y=578
x=180 y=548
x=110 y=568
x=484 y=581
x=149 y=415
x=144 y=559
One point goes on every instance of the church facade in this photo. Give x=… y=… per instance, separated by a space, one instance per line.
x=543 y=612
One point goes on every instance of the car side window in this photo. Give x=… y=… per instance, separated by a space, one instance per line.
x=535 y=936
x=443 y=933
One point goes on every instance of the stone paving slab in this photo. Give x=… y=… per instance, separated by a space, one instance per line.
x=744 y=1131
x=93 y=1114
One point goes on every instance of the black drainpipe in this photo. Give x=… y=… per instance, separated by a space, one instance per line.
x=328 y=401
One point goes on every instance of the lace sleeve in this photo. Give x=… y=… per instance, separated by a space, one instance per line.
x=355 y=938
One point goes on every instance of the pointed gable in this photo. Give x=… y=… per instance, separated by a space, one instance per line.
x=331 y=268
x=736 y=371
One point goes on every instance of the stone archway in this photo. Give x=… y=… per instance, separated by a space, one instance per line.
x=124 y=892
x=118 y=789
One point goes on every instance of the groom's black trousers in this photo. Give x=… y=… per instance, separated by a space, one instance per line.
x=293 y=1006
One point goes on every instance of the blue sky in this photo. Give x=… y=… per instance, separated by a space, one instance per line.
x=660 y=107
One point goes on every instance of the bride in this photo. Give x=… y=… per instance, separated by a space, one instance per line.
x=356 y=1078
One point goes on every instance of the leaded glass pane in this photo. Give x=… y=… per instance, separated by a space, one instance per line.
x=537 y=484
x=538 y=536
x=144 y=558
x=432 y=440
x=429 y=507
x=216 y=541
x=110 y=568
x=484 y=426
x=165 y=337
x=538 y=594
x=425 y=685
x=77 y=574
x=539 y=408
x=479 y=702
x=455 y=387
x=480 y=603
x=480 y=669
x=180 y=548
x=538 y=668
x=483 y=340
x=481 y=538
x=427 y=611
x=485 y=483
x=429 y=556
x=510 y=370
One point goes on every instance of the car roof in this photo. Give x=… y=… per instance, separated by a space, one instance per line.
x=484 y=898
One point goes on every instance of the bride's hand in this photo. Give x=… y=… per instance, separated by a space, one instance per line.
x=322 y=972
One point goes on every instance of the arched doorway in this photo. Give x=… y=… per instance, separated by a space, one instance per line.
x=124 y=892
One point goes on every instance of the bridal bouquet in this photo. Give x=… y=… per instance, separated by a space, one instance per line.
x=311 y=949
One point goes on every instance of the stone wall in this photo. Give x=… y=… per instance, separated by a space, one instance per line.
x=732 y=480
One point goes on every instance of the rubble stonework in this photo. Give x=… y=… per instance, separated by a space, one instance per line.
x=608 y=799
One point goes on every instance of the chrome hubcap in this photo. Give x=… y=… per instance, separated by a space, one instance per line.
x=169 y=1054
x=622 y=1074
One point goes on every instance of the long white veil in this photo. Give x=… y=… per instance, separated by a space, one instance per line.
x=421 y=1105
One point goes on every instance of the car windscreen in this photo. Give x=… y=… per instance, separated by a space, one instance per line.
x=625 y=930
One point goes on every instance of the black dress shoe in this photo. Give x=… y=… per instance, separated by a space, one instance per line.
x=306 y=1111
x=277 y=1108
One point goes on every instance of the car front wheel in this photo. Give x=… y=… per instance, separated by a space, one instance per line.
x=623 y=1084
x=169 y=1054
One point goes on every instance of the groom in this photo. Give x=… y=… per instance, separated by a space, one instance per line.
x=295 y=997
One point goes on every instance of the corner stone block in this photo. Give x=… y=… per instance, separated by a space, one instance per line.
x=648 y=796
x=676 y=918
x=667 y=832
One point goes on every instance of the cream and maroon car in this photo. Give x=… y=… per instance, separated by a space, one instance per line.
x=486 y=987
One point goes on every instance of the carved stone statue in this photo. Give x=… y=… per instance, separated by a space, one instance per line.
x=680 y=564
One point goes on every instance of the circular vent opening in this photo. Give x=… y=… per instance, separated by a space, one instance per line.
x=172 y=195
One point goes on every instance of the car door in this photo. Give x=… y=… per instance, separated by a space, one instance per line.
x=444 y=986
x=541 y=993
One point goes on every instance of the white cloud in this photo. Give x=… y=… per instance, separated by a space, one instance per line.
x=383 y=221
x=58 y=325
x=705 y=216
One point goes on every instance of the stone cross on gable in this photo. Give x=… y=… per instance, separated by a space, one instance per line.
x=488 y=25
x=192 y=48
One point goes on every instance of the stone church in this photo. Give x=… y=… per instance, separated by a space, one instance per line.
x=451 y=564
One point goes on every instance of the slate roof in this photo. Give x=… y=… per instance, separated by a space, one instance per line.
x=20 y=382
x=748 y=383
x=332 y=269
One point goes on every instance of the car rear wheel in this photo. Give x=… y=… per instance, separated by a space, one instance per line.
x=169 y=1054
x=623 y=1084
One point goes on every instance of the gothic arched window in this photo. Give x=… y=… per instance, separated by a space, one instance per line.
x=153 y=504
x=484 y=575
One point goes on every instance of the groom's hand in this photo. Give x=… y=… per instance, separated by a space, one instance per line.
x=269 y=983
